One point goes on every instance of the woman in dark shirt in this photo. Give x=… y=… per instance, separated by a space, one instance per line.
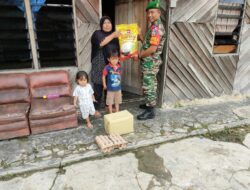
x=102 y=41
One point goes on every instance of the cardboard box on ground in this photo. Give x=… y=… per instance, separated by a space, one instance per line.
x=119 y=123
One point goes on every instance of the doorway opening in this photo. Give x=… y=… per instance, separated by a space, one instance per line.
x=125 y=12
x=108 y=9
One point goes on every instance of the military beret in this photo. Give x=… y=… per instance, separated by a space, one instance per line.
x=153 y=4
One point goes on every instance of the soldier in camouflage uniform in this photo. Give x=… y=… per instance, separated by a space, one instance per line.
x=151 y=58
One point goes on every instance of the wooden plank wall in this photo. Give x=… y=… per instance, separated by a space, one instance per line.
x=87 y=11
x=242 y=79
x=247 y=16
x=198 y=11
x=87 y=17
x=192 y=71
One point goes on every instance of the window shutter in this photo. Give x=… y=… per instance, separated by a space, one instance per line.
x=15 y=52
x=54 y=28
x=228 y=26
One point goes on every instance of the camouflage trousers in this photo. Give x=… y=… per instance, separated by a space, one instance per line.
x=149 y=81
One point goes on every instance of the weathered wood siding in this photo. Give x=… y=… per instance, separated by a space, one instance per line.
x=87 y=18
x=87 y=11
x=198 y=11
x=242 y=80
x=192 y=70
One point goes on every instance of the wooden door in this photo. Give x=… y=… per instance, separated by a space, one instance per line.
x=126 y=12
x=87 y=21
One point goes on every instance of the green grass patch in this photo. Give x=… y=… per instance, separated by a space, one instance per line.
x=236 y=135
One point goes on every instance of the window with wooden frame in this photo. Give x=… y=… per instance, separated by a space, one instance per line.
x=54 y=29
x=228 y=26
x=15 y=51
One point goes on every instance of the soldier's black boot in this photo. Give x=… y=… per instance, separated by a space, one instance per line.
x=149 y=113
x=143 y=106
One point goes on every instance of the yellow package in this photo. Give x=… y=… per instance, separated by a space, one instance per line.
x=128 y=40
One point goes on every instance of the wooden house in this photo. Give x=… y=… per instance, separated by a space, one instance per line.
x=207 y=52
x=208 y=49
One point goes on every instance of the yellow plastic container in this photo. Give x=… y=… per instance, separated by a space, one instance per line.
x=119 y=123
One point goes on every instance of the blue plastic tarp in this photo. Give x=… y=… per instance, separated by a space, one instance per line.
x=36 y=4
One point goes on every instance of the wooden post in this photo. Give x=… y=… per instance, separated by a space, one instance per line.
x=76 y=32
x=100 y=9
x=242 y=26
x=163 y=72
x=31 y=34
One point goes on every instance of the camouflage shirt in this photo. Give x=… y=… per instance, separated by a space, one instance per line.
x=155 y=36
